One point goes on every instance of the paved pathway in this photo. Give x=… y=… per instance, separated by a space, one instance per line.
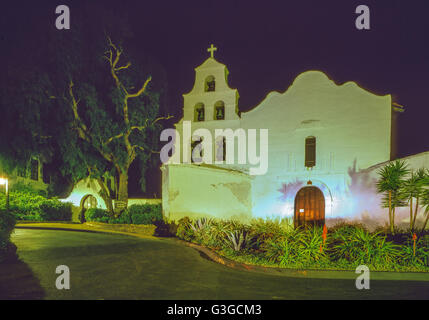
x=106 y=266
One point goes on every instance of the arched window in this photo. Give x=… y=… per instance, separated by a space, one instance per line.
x=219 y=112
x=90 y=202
x=199 y=112
x=210 y=84
x=310 y=152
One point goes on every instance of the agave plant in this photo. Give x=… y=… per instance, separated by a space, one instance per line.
x=390 y=184
x=237 y=239
x=200 y=224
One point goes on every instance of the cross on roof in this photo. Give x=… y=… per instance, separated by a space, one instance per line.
x=211 y=50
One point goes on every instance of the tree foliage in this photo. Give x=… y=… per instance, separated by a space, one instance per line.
x=38 y=87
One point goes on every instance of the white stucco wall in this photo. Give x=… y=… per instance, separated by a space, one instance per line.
x=203 y=191
x=352 y=128
x=88 y=186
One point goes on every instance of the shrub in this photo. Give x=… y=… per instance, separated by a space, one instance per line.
x=418 y=258
x=55 y=210
x=263 y=231
x=215 y=236
x=124 y=218
x=25 y=205
x=165 y=229
x=298 y=248
x=145 y=213
x=238 y=239
x=7 y=224
x=358 y=246
x=97 y=215
x=22 y=203
x=184 y=230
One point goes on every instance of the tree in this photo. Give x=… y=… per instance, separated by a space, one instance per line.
x=37 y=118
x=23 y=129
x=413 y=188
x=425 y=204
x=390 y=184
x=117 y=129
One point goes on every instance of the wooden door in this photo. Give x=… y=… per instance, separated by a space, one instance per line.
x=309 y=207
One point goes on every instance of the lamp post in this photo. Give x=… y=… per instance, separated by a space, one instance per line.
x=4 y=181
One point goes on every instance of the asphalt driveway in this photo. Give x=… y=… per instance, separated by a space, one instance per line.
x=106 y=266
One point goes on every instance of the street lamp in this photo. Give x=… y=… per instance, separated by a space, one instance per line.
x=4 y=181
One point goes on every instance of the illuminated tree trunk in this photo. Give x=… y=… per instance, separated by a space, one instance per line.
x=390 y=211
x=105 y=195
x=415 y=213
x=411 y=213
x=122 y=201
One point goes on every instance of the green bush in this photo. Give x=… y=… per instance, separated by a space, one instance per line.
x=262 y=231
x=184 y=230
x=55 y=210
x=25 y=205
x=145 y=213
x=124 y=218
x=358 y=246
x=297 y=248
x=277 y=242
x=22 y=203
x=7 y=224
x=135 y=214
x=216 y=234
x=97 y=215
x=418 y=256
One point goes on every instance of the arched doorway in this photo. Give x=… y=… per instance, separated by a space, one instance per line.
x=309 y=207
x=88 y=201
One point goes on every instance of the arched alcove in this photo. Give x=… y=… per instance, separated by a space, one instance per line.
x=210 y=84
x=309 y=207
x=219 y=111
x=199 y=112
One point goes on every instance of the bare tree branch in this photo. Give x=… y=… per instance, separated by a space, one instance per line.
x=143 y=88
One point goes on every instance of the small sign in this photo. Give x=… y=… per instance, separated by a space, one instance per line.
x=120 y=204
x=301 y=210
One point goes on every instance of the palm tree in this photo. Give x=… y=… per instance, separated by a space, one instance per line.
x=390 y=184
x=413 y=188
x=425 y=204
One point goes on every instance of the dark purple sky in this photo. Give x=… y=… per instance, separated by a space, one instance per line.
x=266 y=44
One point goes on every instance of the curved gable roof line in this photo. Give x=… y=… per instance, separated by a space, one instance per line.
x=322 y=74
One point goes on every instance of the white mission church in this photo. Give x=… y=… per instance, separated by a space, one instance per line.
x=325 y=143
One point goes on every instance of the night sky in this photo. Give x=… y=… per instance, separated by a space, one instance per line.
x=266 y=44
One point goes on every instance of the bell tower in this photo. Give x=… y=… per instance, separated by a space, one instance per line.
x=211 y=98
